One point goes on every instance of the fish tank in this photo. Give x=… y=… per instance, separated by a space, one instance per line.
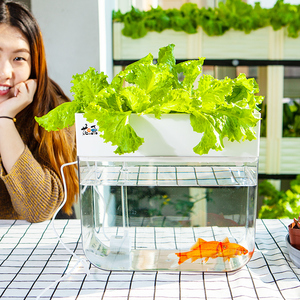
x=163 y=207
x=167 y=165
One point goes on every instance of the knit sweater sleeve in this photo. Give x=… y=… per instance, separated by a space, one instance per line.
x=35 y=190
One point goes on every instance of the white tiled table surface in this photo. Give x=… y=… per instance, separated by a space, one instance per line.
x=32 y=258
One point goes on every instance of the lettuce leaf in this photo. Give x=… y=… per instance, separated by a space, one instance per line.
x=115 y=128
x=60 y=117
x=227 y=112
x=218 y=109
x=85 y=88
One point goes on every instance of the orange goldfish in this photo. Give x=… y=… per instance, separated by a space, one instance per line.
x=213 y=249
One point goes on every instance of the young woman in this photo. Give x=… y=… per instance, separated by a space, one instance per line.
x=30 y=158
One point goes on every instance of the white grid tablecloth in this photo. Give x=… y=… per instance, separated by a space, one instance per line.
x=32 y=258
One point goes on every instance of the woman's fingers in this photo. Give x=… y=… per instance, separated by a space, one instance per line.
x=26 y=90
x=23 y=96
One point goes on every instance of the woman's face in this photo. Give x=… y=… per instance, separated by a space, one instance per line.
x=15 y=60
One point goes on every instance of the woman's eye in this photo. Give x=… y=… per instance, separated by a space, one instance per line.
x=19 y=58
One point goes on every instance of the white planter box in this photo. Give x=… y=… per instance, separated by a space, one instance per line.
x=291 y=47
x=237 y=45
x=172 y=135
x=128 y=48
x=232 y=45
x=264 y=43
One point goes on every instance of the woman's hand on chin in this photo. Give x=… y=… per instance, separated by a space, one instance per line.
x=23 y=96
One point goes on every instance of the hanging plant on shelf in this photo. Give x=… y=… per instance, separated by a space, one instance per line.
x=233 y=14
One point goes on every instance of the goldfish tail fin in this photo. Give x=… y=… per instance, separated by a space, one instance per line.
x=182 y=257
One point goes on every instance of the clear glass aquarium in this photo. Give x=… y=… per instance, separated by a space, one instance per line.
x=167 y=213
x=148 y=210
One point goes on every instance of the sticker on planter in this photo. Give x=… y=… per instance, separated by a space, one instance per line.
x=89 y=129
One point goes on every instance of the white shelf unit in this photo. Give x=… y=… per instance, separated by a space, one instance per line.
x=278 y=155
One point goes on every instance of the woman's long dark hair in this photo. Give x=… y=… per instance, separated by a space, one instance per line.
x=54 y=147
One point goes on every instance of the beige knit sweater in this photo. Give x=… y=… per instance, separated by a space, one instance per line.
x=30 y=191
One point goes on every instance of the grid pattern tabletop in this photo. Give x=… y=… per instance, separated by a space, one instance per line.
x=32 y=259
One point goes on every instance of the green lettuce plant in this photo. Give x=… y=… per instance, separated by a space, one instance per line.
x=218 y=109
x=233 y=14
